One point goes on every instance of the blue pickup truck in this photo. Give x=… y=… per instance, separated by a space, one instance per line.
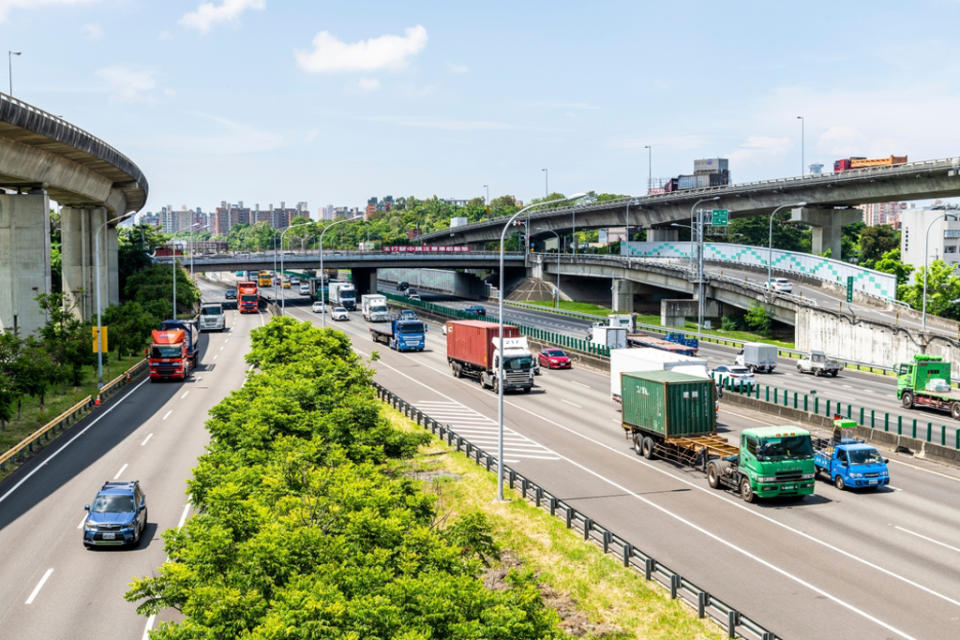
x=849 y=462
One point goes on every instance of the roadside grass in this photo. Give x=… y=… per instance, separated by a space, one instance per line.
x=32 y=417
x=569 y=305
x=596 y=596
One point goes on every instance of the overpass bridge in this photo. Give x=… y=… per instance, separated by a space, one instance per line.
x=43 y=156
x=828 y=197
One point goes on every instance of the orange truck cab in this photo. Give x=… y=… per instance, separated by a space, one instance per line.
x=168 y=355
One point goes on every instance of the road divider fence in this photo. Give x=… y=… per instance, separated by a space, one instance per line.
x=736 y=623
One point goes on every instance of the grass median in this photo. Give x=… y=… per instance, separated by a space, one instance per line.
x=596 y=597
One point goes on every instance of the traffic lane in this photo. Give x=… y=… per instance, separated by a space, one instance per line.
x=84 y=581
x=581 y=489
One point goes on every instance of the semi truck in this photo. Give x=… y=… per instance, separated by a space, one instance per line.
x=925 y=382
x=191 y=330
x=265 y=278
x=860 y=162
x=374 y=307
x=212 y=317
x=648 y=359
x=848 y=462
x=248 y=297
x=401 y=334
x=672 y=415
x=758 y=356
x=343 y=294
x=819 y=364
x=167 y=355
x=473 y=350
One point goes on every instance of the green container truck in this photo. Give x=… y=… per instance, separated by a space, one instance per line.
x=926 y=382
x=673 y=416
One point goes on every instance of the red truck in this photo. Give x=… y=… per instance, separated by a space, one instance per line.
x=248 y=300
x=168 y=355
x=472 y=352
x=859 y=162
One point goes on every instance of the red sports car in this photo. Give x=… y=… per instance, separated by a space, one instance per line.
x=554 y=359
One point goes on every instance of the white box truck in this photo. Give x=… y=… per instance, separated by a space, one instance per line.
x=648 y=359
x=611 y=337
x=758 y=356
x=343 y=294
x=374 y=307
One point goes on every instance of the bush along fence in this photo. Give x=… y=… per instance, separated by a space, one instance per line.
x=48 y=432
x=868 y=418
x=559 y=339
x=736 y=623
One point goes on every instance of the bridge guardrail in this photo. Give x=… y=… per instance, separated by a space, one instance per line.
x=736 y=623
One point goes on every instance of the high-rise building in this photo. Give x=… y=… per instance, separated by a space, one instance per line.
x=883 y=213
x=942 y=239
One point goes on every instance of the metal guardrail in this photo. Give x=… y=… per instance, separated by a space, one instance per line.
x=36 y=440
x=707 y=605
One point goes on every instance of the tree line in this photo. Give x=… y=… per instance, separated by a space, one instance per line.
x=306 y=526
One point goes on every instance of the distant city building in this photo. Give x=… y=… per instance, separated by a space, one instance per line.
x=883 y=213
x=456 y=202
x=944 y=236
x=327 y=212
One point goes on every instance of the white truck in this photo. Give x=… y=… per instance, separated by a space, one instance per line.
x=819 y=364
x=343 y=294
x=212 y=318
x=649 y=359
x=611 y=337
x=758 y=356
x=374 y=307
x=626 y=320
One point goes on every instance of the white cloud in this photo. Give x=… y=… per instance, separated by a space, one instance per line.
x=330 y=55
x=368 y=84
x=93 y=31
x=129 y=85
x=8 y=5
x=206 y=15
x=458 y=69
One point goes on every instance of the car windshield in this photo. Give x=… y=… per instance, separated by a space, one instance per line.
x=789 y=448
x=246 y=298
x=555 y=353
x=865 y=456
x=518 y=363
x=112 y=504
x=412 y=327
x=342 y=309
x=742 y=370
x=166 y=351
x=212 y=311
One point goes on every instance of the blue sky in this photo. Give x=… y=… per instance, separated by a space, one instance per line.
x=331 y=102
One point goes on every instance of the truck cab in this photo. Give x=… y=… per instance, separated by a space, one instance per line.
x=852 y=463
x=167 y=355
x=926 y=382
x=518 y=370
x=772 y=462
x=212 y=318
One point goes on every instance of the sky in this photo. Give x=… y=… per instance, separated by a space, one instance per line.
x=333 y=102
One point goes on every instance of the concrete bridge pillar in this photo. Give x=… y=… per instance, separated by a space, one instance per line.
x=662 y=234
x=24 y=260
x=77 y=226
x=623 y=292
x=827 y=225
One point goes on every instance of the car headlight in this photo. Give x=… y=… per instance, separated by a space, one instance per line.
x=856 y=475
x=767 y=479
x=807 y=476
x=89 y=526
x=884 y=474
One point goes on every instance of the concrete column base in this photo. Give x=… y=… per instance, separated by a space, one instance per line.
x=827 y=226
x=622 y=295
x=24 y=260
x=660 y=234
x=77 y=227
x=674 y=312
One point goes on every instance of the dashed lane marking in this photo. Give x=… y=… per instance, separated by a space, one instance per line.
x=119 y=473
x=147 y=439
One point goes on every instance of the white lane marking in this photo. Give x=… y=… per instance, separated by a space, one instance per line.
x=122 y=469
x=167 y=414
x=147 y=439
x=221 y=347
x=80 y=526
x=150 y=621
x=572 y=404
x=70 y=441
x=704 y=490
x=226 y=341
x=928 y=539
x=215 y=356
x=582 y=384
x=36 y=589
x=185 y=394
x=183 y=516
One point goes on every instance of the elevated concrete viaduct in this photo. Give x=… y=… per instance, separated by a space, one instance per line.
x=44 y=157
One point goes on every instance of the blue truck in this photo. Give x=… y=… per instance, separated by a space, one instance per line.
x=680 y=338
x=848 y=462
x=401 y=335
x=192 y=329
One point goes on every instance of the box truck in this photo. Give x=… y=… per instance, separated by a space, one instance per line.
x=374 y=307
x=473 y=350
x=648 y=359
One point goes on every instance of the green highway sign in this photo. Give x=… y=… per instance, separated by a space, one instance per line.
x=849 y=288
x=721 y=217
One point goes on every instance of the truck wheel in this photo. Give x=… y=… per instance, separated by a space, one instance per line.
x=746 y=491
x=799 y=369
x=527 y=389
x=955 y=410
x=456 y=369
x=713 y=475
x=839 y=483
x=834 y=373
x=907 y=399
x=637 y=443
x=647 y=447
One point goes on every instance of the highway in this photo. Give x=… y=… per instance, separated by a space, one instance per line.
x=837 y=565
x=55 y=589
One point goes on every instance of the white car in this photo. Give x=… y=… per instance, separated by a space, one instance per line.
x=780 y=285
x=294 y=280
x=340 y=313
x=317 y=307
x=740 y=376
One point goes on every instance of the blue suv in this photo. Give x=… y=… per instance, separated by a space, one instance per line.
x=117 y=516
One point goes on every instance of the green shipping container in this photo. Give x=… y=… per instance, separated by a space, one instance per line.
x=671 y=404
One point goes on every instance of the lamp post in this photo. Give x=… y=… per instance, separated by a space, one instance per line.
x=323 y=297
x=10 y=55
x=499 y=381
x=283 y=298
x=546 y=184
x=692 y=227
x=193 y=244
x=173 y=255
x=649 y=167
x=803 y=161
x=486 y=201
x=557 y=297
x=926 y=259
x=770 y=238
x=96 y=269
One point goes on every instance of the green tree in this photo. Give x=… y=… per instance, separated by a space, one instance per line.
x=850 y=241
x=890 y=263
x=135 y=245
x=758 y=319
x=943 y=290
x=876 y=241
x=129 y=326
x=10 y=347
x=754 y=231
x=152 y=287
x=65 y=338
x=33 y=371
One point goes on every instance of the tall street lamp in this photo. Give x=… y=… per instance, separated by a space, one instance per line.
x=499 y=338
x=486 y=202
x=96 y=269
x=193 y=244
x=546 y=184
x=770 y=238
x=926 y=259
x=283 y=298
x=173 y=255
x=693 y=227
x=323 y=297
x=803 y=161
x=10 y=55
x=649 y=167
x=557 y=297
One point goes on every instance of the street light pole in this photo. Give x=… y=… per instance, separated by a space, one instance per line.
x=173 y=255
x=926 y=268
x=499 y=382
x=487 y=200
x=283 y=298
x=10 y=55
x=323 y=297
x=546 y=184
x=96 y=269
x=556 y=304
x=770 y=238
x=693 y=228
x=649 y=167
x=193 y=245
x=803 y=161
